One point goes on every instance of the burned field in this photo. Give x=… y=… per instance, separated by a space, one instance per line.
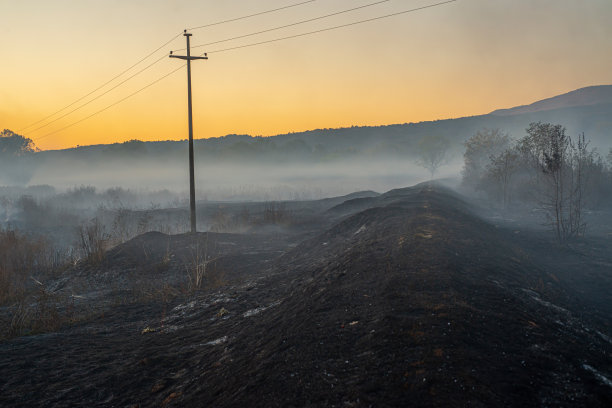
x=400 y=299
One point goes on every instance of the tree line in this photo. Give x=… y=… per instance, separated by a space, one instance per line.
x=559 y=174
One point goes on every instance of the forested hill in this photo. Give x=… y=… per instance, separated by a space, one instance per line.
x=587 y=110
x=574 y=110
x=595 y=121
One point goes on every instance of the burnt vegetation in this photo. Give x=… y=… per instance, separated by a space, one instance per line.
x=493 y=293
x=408 y=297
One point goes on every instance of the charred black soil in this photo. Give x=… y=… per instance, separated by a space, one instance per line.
x=402 y=299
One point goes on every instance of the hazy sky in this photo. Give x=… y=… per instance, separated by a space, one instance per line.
x=464 y=58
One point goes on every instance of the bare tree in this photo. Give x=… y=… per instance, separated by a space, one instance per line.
x=560 y=174
x=501 y=170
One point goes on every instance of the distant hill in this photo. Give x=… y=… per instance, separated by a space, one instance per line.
x=383 y=152
x=591 y=95
x=587 y=110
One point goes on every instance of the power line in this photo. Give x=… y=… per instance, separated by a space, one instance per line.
x=99 y=96
x=245 y=46
x=103 y=85
x=149 y=55
x=291 y=25
x=111 y=105
x=332 y=28
x=250 y=15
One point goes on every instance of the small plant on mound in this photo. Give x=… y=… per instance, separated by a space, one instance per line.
x=47 y=315
x=198 y=267
x=93 y=241
x=39 y=312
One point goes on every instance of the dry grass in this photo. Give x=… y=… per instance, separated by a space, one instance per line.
x=32 y=304
x=40 y=312
x=201 y=268
x=22 y=257
x=93 y=240
x=31 y=307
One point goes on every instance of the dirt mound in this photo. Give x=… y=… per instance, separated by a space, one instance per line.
x=417 y=302
x=404 y=197
x=414 y=301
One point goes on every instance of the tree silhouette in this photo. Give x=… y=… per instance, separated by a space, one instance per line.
x=432 y=151
x=14 y=145
x=479 y=151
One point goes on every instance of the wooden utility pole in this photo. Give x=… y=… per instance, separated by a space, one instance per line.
x=188 y=57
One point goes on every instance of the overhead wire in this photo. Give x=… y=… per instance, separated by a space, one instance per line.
x=250 y=15
x=112 y=104
x=330 y=28
x=251 y=45
x=99 y=96
x=146 y=57
x=289 y=25
x=104 y=84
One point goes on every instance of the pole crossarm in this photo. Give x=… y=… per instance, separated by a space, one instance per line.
x=185 y=57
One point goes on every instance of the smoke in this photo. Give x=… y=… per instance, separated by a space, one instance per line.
x=235 y=180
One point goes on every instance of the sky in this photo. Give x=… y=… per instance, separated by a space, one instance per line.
x=467 y=57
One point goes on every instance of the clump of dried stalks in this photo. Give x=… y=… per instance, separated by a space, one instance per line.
x=201 y=267
x=31 y=306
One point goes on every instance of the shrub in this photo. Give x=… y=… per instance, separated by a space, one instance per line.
x=93 y=241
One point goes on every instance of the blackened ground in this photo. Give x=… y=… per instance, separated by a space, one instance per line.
x=404 y=299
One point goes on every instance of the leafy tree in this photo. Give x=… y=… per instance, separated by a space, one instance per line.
x=479 y=149
x=14 y=151
x=432 y=152
x=14 y=145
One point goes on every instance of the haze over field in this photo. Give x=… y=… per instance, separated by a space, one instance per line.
x=103 y=181
x=312 y=164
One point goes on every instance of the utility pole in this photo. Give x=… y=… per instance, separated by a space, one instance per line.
x=188 y=57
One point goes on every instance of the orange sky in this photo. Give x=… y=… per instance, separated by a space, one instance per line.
x=464 y=58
